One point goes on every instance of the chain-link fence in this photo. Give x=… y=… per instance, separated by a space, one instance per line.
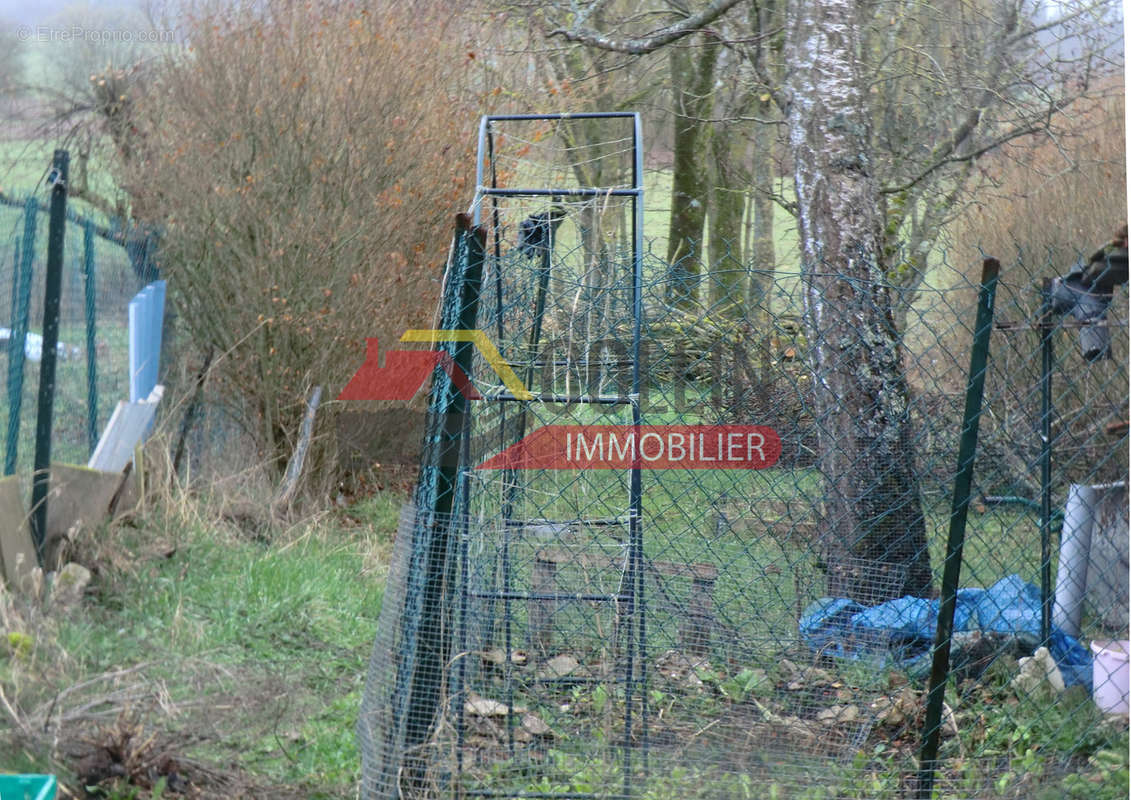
x=103 y=268
x=715 y=566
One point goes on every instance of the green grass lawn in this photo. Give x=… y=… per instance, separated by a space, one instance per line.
x=24 y=164
x=251 y=654
x=70 y=441
x=259 y=650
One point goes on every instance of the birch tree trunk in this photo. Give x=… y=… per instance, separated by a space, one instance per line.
x=873 y=536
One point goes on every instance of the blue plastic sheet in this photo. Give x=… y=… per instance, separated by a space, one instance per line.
x=904 y=629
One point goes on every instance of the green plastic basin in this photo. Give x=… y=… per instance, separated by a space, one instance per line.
x=27 y=787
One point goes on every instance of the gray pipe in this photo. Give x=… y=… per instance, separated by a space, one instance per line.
x=1075 y=546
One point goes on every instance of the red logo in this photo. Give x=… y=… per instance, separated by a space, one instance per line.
x=646 y=446
x=405 y=371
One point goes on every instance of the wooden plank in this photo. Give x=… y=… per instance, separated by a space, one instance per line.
x=126 y=429
x=541 y=612
x=79 y=499
x=697 y=618
x=1117 y=428
x=779 y=529
x=294 y=467
x=17 y=552
x=705 y=572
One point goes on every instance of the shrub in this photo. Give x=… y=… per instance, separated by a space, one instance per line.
x=304 y=162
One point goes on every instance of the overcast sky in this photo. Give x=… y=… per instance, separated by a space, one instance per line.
x=28 y=13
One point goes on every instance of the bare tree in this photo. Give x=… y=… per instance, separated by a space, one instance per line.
x=856 y=356
x=867 y=179
x=692 y=85
x=80 y=93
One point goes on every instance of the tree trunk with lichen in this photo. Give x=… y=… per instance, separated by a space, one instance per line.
x=692 y=72
x=873 y=536
x=763 y=260
x=728 y=203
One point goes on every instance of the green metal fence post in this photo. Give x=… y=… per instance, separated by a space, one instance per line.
x=433 y=647
x=21 y=302
x=16 y=261
x=1046 y=328
x=960 y=505
x=91 y=321
x=54 y=281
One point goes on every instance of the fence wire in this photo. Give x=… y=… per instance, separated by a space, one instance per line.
x=102 y=270
x=752 y=632
x=723 y=665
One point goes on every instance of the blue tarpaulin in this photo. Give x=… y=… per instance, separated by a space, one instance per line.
x=905 y=628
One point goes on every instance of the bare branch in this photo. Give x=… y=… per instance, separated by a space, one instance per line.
x=94 y=200
x=1055 y=23
x=973 y=155
x=655 y=41
x=752 y=56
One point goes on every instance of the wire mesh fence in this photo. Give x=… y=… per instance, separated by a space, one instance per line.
x=673 y=541
x=102 y=270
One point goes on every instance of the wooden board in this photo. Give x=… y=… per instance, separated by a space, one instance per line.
x=1107 y=594
x=78 y=500
x=17 y=552
x=128 y=426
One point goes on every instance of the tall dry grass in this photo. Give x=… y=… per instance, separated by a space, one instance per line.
x=1048 y=203
x=1040 y=205
x=1054 y=199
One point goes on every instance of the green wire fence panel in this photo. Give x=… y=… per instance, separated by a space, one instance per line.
x=682 y=524
x=91 y=318
x=103 y=267
x=17 y=331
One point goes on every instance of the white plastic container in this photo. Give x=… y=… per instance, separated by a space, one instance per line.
x=1075 y=546
x=1109 y=675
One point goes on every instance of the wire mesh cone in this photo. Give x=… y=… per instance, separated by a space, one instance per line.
x=732 y=562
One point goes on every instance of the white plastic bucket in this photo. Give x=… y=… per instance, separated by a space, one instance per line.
x=1109 y=675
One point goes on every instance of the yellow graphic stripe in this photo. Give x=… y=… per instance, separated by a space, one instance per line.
x=486 y=347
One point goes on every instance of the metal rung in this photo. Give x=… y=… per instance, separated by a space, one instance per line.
x=584 y=399
x=592 y=523
x=592 y=598
x=581 y=192
x=543 y=795
x=567 y=362
x=562 y=115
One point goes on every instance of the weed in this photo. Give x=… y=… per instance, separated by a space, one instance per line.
x=239 y=654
